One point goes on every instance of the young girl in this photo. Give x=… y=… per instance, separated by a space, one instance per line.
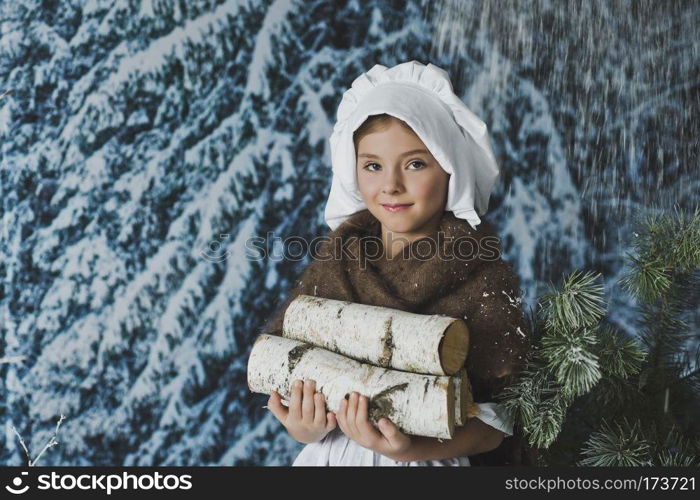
x=411 y=167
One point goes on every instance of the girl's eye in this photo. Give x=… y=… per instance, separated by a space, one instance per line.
x=420 y=163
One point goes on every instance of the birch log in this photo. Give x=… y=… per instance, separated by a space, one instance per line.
x=422 y=405
x=459 y=411
x=390 y=338
x=465 y=407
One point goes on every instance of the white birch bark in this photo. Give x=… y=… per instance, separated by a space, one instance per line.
x=459 y=411
x=421 y=405
x=390 y=338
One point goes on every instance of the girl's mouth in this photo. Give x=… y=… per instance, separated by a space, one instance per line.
x=396 y=208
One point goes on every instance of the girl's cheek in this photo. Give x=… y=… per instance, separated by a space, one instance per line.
x=438 y=186
x=369 y=187
x=429 y=188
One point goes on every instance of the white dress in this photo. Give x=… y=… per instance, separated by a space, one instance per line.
x=336 y=449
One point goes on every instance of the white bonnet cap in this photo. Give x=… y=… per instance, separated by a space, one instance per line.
x=421 y=96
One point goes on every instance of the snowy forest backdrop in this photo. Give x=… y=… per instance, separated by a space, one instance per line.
x=145 y=141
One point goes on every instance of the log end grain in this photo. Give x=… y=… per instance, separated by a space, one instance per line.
x=471 y=408
x=451 y=407
x=454 y=346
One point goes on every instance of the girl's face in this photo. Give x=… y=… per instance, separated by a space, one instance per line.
x=395 y=167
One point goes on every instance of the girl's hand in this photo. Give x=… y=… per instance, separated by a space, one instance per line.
x=354 y=422
x=305 y=419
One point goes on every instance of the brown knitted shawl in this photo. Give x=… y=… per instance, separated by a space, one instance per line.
x=476 y=285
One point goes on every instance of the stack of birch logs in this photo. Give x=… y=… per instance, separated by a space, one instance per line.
x=410 y=366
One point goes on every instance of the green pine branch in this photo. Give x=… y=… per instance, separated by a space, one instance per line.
x=617 y=444
x=618 y=357
x=577 y=304
x=661 y=278
x=562 y=364
x=640 y=389
x=665 y=244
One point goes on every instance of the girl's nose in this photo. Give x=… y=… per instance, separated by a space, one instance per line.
x=392 y=182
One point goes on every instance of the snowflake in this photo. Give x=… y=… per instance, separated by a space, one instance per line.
x=485 y=294
x=509 y=297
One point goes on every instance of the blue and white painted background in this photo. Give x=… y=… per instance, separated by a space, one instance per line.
x=144 y=142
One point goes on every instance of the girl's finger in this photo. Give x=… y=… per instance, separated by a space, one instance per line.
x=351 y=413
x=276 y=407
x=295 y=402
x=391 y=432
x=307 y=401
x=331 y=421
x=320 y=409
x=362 y=419
x=340 y=416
